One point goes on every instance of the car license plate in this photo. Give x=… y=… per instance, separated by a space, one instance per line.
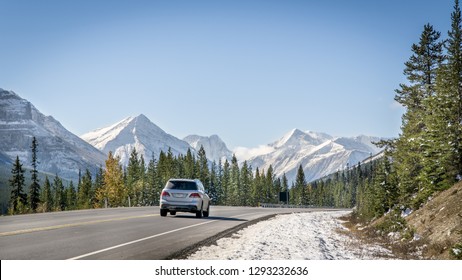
x=179 y=195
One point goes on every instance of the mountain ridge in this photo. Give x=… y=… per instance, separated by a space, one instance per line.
x=135 y=132
x=319 y=153
x=214 y=147
x=60 y=151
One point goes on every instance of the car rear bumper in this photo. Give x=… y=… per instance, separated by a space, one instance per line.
x=180 y=207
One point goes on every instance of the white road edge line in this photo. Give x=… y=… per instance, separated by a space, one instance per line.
x=145 y=238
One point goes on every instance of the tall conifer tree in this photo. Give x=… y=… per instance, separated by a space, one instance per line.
x=203 y=169
x=153 y=181
x=245 y=184
x=71 y=197
x=444 y=141
x=58 y=194
x=47 y=196
x=214 y=184
x=133 y=176
x=18 y=199
x=300 y=185
x=234 y=193
x=454 y=76
x=34 y=189
x=226 y=183
x=421 y=71
x=84 y=195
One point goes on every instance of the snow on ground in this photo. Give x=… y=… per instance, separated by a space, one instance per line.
x=297 y=236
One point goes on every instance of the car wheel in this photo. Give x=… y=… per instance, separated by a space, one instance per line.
x=199 y=213
x=206 y=213
x=163 y=212
x=173 y=213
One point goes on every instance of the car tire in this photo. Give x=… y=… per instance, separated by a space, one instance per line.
x=199 y=213
x=163 y=212
x=206 y=213
x=173 y=213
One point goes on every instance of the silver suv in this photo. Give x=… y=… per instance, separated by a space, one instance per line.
x=184 y=195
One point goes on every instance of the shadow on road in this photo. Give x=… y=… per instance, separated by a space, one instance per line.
x=210 y=218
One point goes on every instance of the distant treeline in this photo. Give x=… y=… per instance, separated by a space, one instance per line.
x=140 y=184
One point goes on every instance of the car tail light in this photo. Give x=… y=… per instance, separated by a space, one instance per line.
x=166 y=194
x=195 y=195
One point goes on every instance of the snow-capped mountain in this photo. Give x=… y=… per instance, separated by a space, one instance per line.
x=135 y=132
x=64 y=153
x=319 y=154
x=214 y=147
x=59 y=151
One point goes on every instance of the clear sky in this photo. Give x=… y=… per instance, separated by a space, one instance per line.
x=249 y=71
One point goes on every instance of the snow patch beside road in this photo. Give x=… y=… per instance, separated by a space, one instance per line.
x=297 y=236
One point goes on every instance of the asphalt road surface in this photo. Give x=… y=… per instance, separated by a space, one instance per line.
x=120 y=233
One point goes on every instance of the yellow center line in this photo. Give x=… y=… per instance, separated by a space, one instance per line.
x=30 y=230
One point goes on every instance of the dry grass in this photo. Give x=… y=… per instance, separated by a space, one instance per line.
x=439 y=221
x=438 y=224
x=370 y=235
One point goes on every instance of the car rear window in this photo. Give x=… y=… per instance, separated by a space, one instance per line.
x=181 y=185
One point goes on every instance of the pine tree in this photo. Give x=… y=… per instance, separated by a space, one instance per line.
x=245 y=184
x=256 y=192
x=153 y=181
x=383 y=188
x=64 y=205
x=421 y=72
x=453 y=76
x=47 y=196
x=293 y=195
x=58 y=194
x=214 y=183
x=170 y=164
x=277 y=188
x=300 y=186
x=166 y=166
x=269 y=186
x=443 y=154
x=234 y=194
x=97 y=185
x=285 y=186
x=71 y=197
x=190 y=163
x=226 y=183
x=203 y=169
x=162 y=168
x=133 y=177
x=220 y=191
x=142 y=187
x=84 y=195
x=34 y=189
x=18 y=199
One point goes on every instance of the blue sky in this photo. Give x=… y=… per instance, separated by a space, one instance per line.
x=248 y=71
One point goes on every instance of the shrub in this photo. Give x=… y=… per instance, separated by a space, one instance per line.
x=394 y=223
x=456 y=251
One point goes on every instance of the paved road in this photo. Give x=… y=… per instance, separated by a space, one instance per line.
x=120 y=233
